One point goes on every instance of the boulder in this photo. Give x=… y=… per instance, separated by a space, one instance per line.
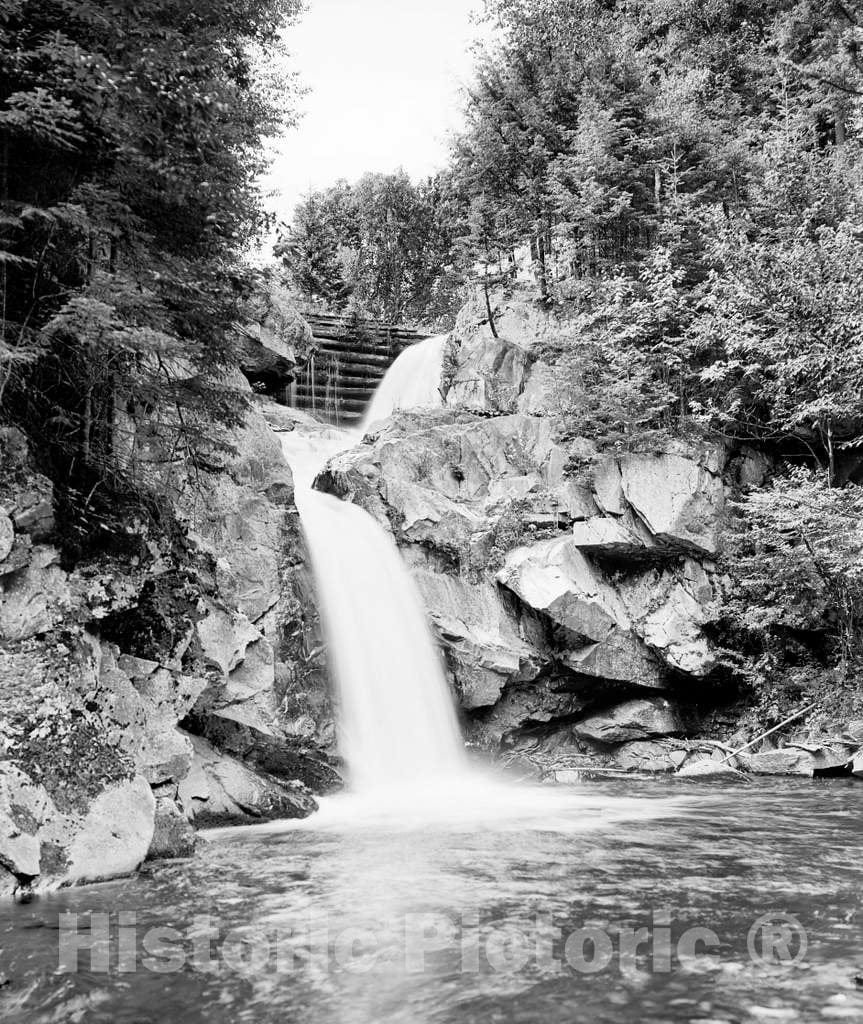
x=288 y=758
x=451 y=482
x=489 y=376
x=26 y=496
x=224 y=638
x=113 y=838
x=669 y=609
x=7 y=536
x=276 y=341
x=23 y=807
x=220 y=790
x=632 y=720
x=789 y=761
x=143 y=702
x=486 y=645
x=555 y=579
x=173 y=835
x=34 y=599
x=680 y=500
x=45 y=844
x=500 y=374
x=528 y=704
x=654 y=755
x=605 y=535
x=246 y=519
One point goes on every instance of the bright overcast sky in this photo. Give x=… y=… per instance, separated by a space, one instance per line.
x=384 y=77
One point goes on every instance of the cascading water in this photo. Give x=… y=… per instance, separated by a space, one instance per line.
x=412 y=382
x=398 y=728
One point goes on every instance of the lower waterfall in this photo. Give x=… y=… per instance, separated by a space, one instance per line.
x=397 y=723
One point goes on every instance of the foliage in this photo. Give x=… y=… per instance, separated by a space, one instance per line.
x=794 y=556
x=622 y=375
x=782 y=314
x=382 y=248
x=130 y=141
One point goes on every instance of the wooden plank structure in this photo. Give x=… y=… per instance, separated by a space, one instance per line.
x=351 y=358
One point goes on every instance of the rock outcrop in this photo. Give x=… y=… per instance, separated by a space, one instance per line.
x=52 y=842
x=275 y=341
x=103 y=660
x=564 y=582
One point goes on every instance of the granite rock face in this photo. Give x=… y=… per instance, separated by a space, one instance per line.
x=275 y=340
x=220 y=790
x=503 y=374
x=48 y=842
x=102 y=661
x=561 y=580
x=632 y=720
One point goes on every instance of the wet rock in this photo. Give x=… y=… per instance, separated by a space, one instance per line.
x=446 y=481
x=790 y=761
x=173 y=835
x=656 y=755
x=483 y=640
x=632 y=720
x=113 y=838
x=220 y=790
x=22 y=809
x=289 y=758
x=44 y=845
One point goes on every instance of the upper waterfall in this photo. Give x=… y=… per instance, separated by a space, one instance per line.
x=412 y=382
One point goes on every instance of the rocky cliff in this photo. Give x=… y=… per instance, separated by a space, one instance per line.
x=572 y=588
x=169 y=684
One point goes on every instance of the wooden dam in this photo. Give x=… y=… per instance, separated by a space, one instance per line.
x=350 y=359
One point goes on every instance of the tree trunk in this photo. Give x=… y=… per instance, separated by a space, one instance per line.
x=543 y=269
x=839 y=125
x=831 y=456
x=488 y=308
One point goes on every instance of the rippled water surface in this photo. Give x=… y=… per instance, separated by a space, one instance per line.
x=363 y=917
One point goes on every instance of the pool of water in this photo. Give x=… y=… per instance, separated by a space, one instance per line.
x=623 y=902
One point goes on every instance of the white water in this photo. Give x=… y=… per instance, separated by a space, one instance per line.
x=412 y=382
x=397 y=725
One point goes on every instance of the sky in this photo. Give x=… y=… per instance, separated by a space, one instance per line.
x=384 y=78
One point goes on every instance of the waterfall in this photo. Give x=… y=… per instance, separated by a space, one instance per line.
x=397 y=723
x=412 y=382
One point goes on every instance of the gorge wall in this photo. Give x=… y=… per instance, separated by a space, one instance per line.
x=573 y=589
x=171 y=682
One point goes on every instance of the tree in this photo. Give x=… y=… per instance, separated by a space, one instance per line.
x=384 y=242
x=130 y=137
x=782 y=313
x=794 y=556
x=309 y=249
x=623 y=376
